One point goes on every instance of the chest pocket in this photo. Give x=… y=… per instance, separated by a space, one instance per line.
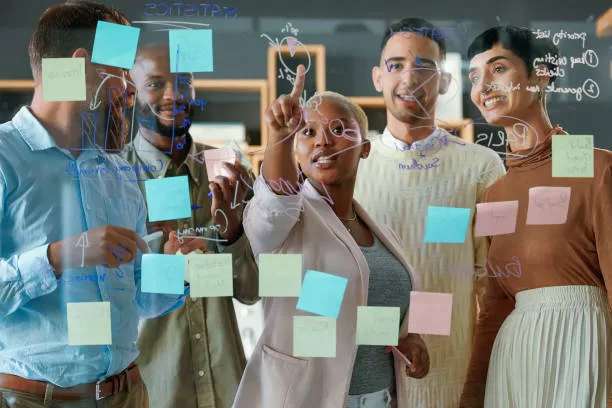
x=121 y=212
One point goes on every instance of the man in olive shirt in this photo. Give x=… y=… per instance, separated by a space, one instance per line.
x=193 y=356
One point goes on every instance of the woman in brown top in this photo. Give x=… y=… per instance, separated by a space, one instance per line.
x=544 y=337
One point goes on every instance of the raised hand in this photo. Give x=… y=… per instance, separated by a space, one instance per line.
x=283 y=115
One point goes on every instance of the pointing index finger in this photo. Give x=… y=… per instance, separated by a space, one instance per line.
x=298 y=85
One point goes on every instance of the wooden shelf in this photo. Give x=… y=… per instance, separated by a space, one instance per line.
x=313 y=50
x=603 y=25
x=16 y=85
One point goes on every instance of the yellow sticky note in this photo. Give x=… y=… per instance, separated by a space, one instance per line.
x=280 y=275
x=63 y=79
x=89 y=324
x=572 y=156
x=314 y=336
x=378 y=325
x=210 y=275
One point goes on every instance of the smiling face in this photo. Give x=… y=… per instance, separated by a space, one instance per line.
x=409 y=77
x=329 y=146
x=159 y=92
x=499 y=87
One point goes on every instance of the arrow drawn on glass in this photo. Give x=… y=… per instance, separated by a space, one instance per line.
x=83 y=243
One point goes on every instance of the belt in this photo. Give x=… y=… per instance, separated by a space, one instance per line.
x=98 y=390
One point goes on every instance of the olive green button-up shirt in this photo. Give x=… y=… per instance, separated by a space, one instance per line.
x=193 y=356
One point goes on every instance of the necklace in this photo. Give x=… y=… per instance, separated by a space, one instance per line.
x=349 y=219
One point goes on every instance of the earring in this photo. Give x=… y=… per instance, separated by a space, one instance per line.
x=541 y=94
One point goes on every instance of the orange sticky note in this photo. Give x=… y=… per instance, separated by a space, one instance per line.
x=496 y=218
x=548 y=205
x=214 y=159
x=430 y=313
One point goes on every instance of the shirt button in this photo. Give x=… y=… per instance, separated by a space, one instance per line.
x=197 y=336
x=201 y=373
x=88 y=207
x=193 y=299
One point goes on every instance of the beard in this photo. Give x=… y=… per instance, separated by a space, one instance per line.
x=148 y=116
x=107 y=127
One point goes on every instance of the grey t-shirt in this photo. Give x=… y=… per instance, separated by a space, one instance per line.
x=389 y=285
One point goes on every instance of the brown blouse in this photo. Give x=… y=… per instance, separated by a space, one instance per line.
x=578 y=252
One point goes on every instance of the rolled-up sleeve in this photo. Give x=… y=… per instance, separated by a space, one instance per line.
x=24 y=277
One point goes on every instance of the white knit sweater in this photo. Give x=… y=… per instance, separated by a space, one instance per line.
x=396 y=187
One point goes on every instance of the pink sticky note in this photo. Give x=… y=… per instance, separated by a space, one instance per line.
x=291 y=42
x=214 y=159
x=430 y=313
x=496 y=218
x=548 y=205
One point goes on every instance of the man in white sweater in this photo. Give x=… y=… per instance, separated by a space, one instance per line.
x=423 y=165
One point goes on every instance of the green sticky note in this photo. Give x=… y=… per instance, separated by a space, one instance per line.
x=89 y=324
x=572 y=156
x=280 y=275
x=63 y=79
x=378 y=326
x=210 y=275
x=314 y=336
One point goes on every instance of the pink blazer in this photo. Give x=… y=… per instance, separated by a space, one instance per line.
x=306 y=224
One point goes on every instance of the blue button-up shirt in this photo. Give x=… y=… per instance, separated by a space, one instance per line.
x=46 y=196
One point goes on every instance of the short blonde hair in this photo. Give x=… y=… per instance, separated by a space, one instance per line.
x=358 y=113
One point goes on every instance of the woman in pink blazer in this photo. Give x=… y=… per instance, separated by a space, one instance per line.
x=319 y=219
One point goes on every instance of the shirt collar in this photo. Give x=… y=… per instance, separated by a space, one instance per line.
x=150 y=155
x=38 y=138
x=391 y=141
x=32 y=131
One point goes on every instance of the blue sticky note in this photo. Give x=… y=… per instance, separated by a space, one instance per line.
x=322 y=293
x=168 y=198
x=163 y=274
x=115 y=45
x=194 y=49
x=446 y=224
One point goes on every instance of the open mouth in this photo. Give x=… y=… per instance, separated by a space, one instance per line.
x=494 y=100
x=324 y=157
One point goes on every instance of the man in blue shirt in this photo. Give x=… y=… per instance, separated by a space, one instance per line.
x=70 y=234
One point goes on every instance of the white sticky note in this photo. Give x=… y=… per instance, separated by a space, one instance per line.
x=314 y=336
x=89 y=324
x=280 y=275
x=63 y=79
x=210 y=275
x=548 y=205
x=378 y=325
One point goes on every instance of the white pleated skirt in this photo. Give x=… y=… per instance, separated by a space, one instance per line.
x=553 y=351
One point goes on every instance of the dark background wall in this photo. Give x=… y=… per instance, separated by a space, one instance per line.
x=351 y=31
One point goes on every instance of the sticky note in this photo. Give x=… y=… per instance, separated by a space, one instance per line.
x=548 y=205
x=430 y=313
x=210 y=275
x=89 y=323
x=314 y=336
x=63 y=79
x=572 y=156
x=446 y=224
x=280 y=275
x=322 y=293
x=378 y=326
x=214 y=159
x=496 y=218
x=194 y=49
x=163 y=274
x=168 y=198
x=115 y=45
